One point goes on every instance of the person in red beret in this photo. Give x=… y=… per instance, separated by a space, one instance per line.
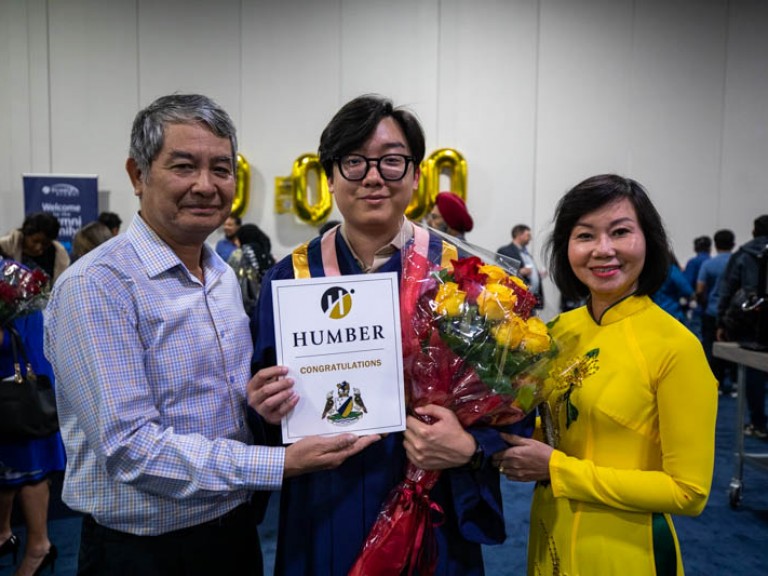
x=450 y=215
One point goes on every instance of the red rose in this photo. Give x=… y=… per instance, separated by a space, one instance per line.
x=466 y=273
x=7 y=293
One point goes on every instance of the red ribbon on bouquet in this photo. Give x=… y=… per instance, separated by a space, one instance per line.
x=402 y=540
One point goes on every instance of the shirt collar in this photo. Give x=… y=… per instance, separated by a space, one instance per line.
x=157 y=257
x=383 y=254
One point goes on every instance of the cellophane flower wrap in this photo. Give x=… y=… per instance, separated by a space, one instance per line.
x=471 y=344
x=22 y=291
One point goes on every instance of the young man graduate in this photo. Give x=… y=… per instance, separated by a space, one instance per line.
x=371 y=152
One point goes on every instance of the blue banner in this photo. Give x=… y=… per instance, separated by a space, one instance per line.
x=73 y=199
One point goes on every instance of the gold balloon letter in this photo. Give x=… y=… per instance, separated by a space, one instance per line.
x=296 y=187
x=242 y=187
x=441 y=160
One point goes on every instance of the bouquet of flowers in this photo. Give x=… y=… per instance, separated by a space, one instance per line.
x=22 y=291
x=470 y=344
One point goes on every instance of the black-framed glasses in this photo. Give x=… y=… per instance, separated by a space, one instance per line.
x=354 y=167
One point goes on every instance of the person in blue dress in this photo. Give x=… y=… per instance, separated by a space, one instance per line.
x=702 y=246
x=371 y=152
x=26 y=465
x=675 y=293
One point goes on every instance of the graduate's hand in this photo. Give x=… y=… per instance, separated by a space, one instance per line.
x=271 y=393
x=526 y=459
x=442 y=444
x=323 y=452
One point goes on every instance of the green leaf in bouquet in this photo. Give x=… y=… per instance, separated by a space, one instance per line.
x=444 y=275
x=526 y=398
x=465 y=338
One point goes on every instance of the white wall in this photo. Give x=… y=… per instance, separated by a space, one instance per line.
x=536 y=95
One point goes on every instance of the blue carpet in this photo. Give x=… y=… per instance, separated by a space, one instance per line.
x=722 y=541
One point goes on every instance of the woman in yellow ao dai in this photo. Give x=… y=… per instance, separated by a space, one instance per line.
x=634 y=415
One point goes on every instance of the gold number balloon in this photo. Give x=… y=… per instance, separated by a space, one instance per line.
x=439 y=161
x=242 y=187
x=296 y=188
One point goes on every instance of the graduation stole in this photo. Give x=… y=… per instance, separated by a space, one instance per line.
x=300 y=256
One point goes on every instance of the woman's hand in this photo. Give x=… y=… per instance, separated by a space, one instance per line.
x=439 y=445
x=526 y=460
x=271 y=393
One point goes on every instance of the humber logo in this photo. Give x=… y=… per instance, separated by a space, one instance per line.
x=336 y=302
x=61 y=189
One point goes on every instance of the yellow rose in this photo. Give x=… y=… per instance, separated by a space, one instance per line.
x=518 y=281
x=496 y=301
x=536 y=339
x=509 y=333
x=449 y=300
x=495 y=273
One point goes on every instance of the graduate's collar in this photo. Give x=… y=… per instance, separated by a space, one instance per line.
x=383 y=254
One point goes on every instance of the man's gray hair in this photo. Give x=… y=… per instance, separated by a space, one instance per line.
x=149 y=125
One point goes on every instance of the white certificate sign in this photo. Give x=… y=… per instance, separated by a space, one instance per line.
x=340 y=338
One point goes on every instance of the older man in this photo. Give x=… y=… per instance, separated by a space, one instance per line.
x=151 y=350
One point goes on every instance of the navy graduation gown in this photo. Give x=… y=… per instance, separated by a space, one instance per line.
x=325 y=516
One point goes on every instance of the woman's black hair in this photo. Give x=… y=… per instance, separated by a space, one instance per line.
x=254 y=237
x=588 y=196
x=43 y=222
x=252 y=234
